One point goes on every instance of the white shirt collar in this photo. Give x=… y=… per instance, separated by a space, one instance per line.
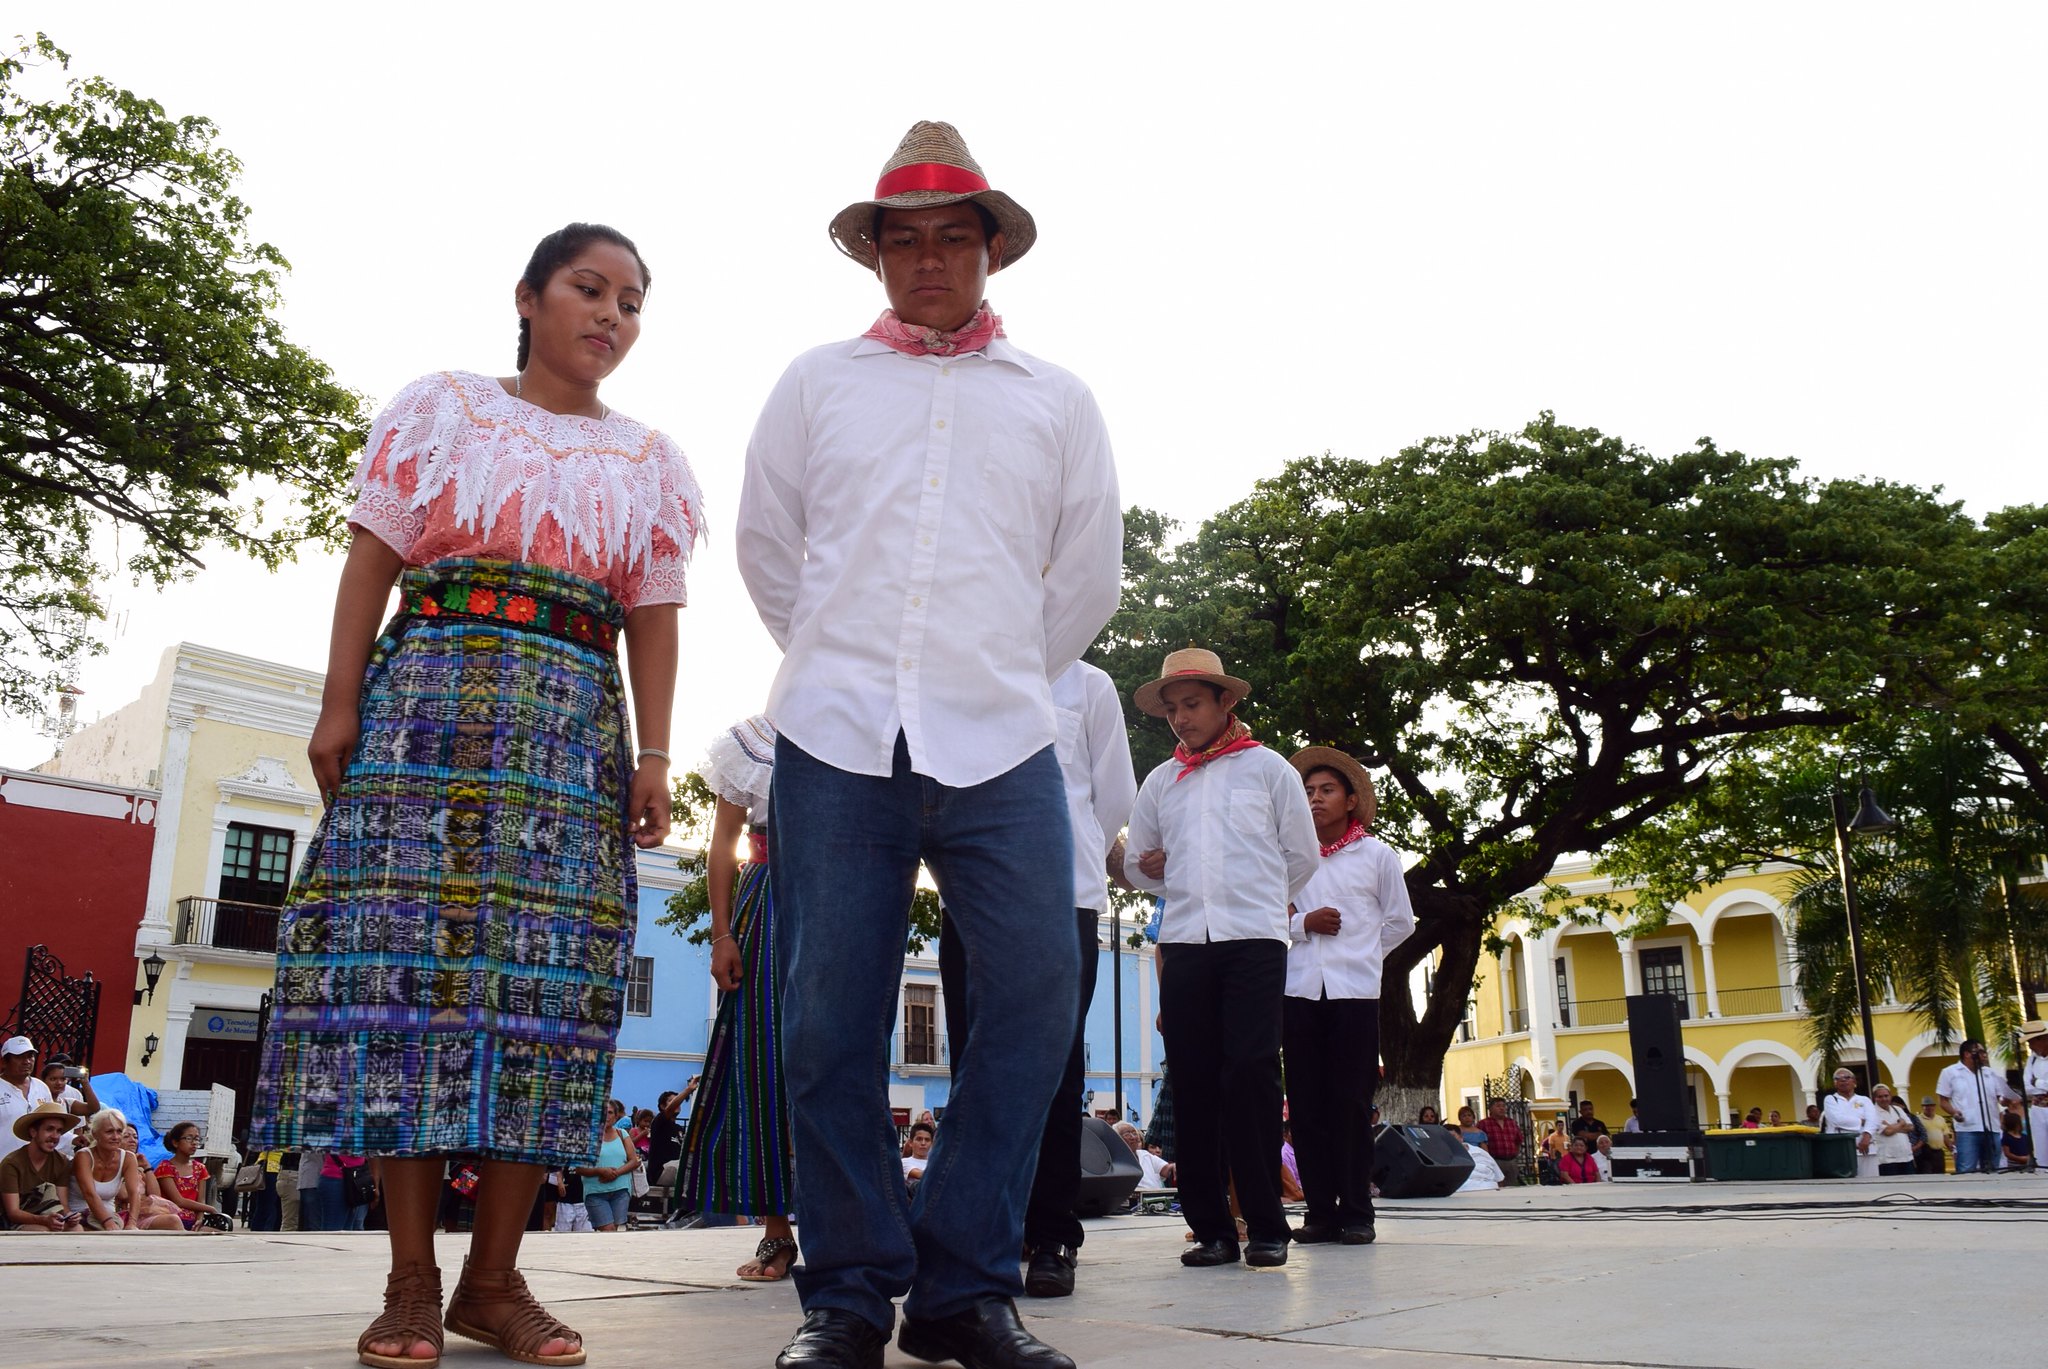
x=998 y=349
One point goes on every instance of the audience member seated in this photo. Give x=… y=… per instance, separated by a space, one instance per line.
x=1468 y=1127
x=1290 y=1169
x=145 y=1196
x=104 y=1181
x=1578 y=1165
x=1486 y=1173
x=1603 y=1156
x=1428 y=1117
x=184 y=1178
x=34 y=1176
x=1774 y=1120
x=1154 y=1172
x=2013 y=1147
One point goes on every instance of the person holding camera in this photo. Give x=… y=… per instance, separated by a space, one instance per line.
x=70 y=1085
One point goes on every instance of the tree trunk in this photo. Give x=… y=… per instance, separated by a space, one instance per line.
x=1412 y=1047
x=1402 y=1104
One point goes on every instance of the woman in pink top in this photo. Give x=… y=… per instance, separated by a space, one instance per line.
x=452 y=959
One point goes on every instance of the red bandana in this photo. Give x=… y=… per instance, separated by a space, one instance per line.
x=912 y=340
x=1351 y=834
x=1234 y=737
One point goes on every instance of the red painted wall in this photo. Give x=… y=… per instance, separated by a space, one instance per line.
x=74 y=874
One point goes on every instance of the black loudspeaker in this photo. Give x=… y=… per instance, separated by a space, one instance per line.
x=1659 y=1051
x=1418 y=1162
x=1109 y=1172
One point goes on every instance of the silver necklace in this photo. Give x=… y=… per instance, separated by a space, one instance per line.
x=519 y=392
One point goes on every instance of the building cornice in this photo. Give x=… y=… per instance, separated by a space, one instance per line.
x=244 y=691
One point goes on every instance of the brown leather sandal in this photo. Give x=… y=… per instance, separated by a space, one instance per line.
x=527 y=1325
x=766 y=1255
x=412 y=1312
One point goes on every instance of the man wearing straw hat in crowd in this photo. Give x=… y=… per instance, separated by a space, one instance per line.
x=1224 y=831
x=2034 y=1081
x=929 y=528
x=1353 y=910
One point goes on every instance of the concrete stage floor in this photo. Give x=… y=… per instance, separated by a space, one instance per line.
x=1746 y=1276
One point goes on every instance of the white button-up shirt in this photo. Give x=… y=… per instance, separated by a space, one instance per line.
x=1239 y=841
x=1974 y=1094
x=1094 y=753
x=1855 y=1114
x=1363 y=883
x=929 y=540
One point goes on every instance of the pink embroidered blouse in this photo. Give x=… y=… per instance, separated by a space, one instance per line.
x=455 y=466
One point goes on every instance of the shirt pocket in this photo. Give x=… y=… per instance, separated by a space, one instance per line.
x=1018 y=488
x=1251 y=811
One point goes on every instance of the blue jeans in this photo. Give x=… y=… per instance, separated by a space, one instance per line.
x=607 y=1209
x=1976 y=1152
x=846 y=851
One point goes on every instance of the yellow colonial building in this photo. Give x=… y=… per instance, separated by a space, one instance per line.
x=1554 y=1004
x=223 y=738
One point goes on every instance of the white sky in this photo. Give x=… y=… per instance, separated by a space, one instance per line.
x=1811 y=231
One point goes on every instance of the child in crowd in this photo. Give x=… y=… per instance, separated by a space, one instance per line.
x=1223 y=830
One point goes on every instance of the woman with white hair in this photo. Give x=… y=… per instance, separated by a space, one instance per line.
x=103 y=1176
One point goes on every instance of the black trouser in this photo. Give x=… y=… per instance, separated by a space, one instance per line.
x=1930 y=1161
x=1219 y=1004
x=1896 y=1167
x=1333 y=1066
x=1049 y=1218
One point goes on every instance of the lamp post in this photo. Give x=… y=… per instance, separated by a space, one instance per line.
x=149 y=1047
x=152 y=970
x=1869 y=821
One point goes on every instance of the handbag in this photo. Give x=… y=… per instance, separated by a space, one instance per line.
x=355 y=1184
x=249 y=1178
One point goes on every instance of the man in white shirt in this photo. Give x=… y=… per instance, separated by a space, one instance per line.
x=1153 y=1172
x=1224 y=832
x=1353 y=910
x=930 y=530
x=1970 y=1092
x=1845 y=1110
x=20 y=1089
x=1094 y=751
x=2034 y=1082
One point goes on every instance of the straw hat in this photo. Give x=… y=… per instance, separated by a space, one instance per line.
x=931 y=166
x=1330 y=758
x=2030 y=1031
x=1189 y=663
x=26 y=1123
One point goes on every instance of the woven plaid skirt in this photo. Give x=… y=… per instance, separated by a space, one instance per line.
x=451 y=962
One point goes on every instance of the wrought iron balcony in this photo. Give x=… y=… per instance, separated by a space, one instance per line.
x=226 y=925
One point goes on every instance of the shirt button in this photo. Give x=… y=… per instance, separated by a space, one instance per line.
x=924 y=541
x=907 y=663
x=916 y=601
x=935 y=482
x=940 y=424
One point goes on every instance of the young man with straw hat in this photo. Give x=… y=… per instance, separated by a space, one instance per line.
x=1224 y=832
x=1353 y=910
x=929 y=528
x=35 y=1175
x=2034 y=1081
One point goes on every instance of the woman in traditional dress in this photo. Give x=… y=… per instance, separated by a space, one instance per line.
x=451 y=963
x=736 y=1150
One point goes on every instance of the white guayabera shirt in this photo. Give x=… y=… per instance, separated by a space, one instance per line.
x=929 y=540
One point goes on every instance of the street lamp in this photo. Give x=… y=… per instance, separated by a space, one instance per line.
x=152 y=970
x=1869 y=821
x=149 y=1045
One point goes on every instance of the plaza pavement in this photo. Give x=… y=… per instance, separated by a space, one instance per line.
x=1747 y=1276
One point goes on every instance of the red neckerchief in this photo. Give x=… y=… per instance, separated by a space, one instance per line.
x=1234 y=737
x=912 y=340
x=1351 y=835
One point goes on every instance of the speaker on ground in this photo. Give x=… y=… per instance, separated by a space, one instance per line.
x=1418 y=1162
x=1655 y=1041
x=1109 y=1172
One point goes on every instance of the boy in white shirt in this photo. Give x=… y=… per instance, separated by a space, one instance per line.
x=1223 y=830
x=1353 y=910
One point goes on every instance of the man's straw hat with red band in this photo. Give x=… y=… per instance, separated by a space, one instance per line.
x=1330 y=758
x=1189 y=663
x=932 y=166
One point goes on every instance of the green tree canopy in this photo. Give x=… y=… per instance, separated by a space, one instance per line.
x=1539 y=641
x=144 y=380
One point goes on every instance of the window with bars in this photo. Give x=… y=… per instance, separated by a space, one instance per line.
x=256 y=864
x=1664 y=972
x=640 y=987
x=920 y=1024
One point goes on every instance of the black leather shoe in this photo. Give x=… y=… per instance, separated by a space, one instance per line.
x=985 y=1336
x=1265 y=1253
x=1358 y=1235
x=1314 y=1233
x=1204 y=1254
x=832 y=1338
x=1050 y=1273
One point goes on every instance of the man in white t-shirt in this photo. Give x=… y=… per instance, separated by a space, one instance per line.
x=1970 y=1092
x=920 y=1148
x=20 y=1089
x=1152 y=1171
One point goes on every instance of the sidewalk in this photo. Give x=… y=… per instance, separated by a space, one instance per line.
x=1747 y=1276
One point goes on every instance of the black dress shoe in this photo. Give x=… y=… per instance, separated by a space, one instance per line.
x=985 y=1336
x=1265 y=1253
x=1204 y=1254
x=1314 y=1233
x=832 y=1338
x=1358 y=1235
x=1050 y=1273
